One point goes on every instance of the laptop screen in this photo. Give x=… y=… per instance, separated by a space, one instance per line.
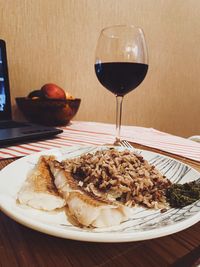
x=5 y=104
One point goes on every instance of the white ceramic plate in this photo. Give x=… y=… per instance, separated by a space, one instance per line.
x=144 y=223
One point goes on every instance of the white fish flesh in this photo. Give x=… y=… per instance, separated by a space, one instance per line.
x=87 y=209
x=38 y=190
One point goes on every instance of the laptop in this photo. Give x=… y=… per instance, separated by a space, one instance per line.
x=12 y=131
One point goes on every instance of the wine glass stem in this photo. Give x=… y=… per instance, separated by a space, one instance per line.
x=119 y=100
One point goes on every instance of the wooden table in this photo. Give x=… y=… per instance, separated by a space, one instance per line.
x=23 y=247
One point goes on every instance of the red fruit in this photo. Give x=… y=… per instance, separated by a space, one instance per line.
x=52 y=91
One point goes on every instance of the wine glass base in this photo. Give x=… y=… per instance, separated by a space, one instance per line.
x=117 y=142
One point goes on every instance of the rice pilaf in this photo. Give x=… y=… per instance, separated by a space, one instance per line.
x=122 y=176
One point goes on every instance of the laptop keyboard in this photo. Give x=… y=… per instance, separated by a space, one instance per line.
x=12 y=124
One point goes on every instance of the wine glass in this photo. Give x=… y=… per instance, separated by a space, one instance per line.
x=121 y=63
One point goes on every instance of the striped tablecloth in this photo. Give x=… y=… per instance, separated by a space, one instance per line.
x=92 y=133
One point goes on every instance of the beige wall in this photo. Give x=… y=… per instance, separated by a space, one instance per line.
x=54 y=41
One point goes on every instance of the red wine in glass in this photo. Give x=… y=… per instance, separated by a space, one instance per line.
x=120 y=77
x=121 y=63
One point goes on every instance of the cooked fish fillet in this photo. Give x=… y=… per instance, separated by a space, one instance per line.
x=38 y=190
x=87 y=209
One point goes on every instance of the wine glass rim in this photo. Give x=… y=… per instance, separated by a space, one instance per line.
x=122 y=26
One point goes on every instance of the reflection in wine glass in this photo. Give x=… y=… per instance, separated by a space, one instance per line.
x=121 y=63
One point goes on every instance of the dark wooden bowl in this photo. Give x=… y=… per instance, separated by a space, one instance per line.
x=51 y=112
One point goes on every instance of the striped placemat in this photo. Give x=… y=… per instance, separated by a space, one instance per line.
x=92 y=133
